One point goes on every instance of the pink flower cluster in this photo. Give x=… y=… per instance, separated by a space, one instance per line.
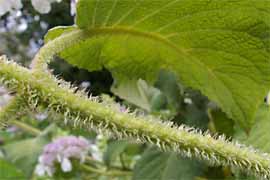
x=62 y=150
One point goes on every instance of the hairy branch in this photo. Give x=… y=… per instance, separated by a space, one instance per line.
x=86 y=113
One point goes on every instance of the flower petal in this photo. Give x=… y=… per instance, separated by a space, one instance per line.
x=66 y=165
x=40 y=170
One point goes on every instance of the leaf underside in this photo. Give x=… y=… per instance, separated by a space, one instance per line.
x=219 y=47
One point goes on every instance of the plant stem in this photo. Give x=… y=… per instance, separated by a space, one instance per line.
x=211 y=124
x=26 y=127
x=47 y=52
x=107 y=173
x=123 y=161
x=91 y=160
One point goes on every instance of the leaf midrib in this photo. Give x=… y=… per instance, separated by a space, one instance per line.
x=130 y=31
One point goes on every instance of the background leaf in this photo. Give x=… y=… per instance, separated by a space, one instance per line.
x=259 y=136
x=9 y=171
x=113 y=151
x=165 y=166
x=24 y=154
x=168 y=84
x=121 y=152
x=137 y=92
x=222 y=123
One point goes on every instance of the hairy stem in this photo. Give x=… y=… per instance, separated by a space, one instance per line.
x=49 y=50
x=86 y=113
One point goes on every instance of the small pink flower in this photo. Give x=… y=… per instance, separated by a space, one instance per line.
x=61 y=151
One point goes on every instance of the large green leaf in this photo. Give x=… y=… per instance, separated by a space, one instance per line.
x=165 y=166
x=220 y=47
